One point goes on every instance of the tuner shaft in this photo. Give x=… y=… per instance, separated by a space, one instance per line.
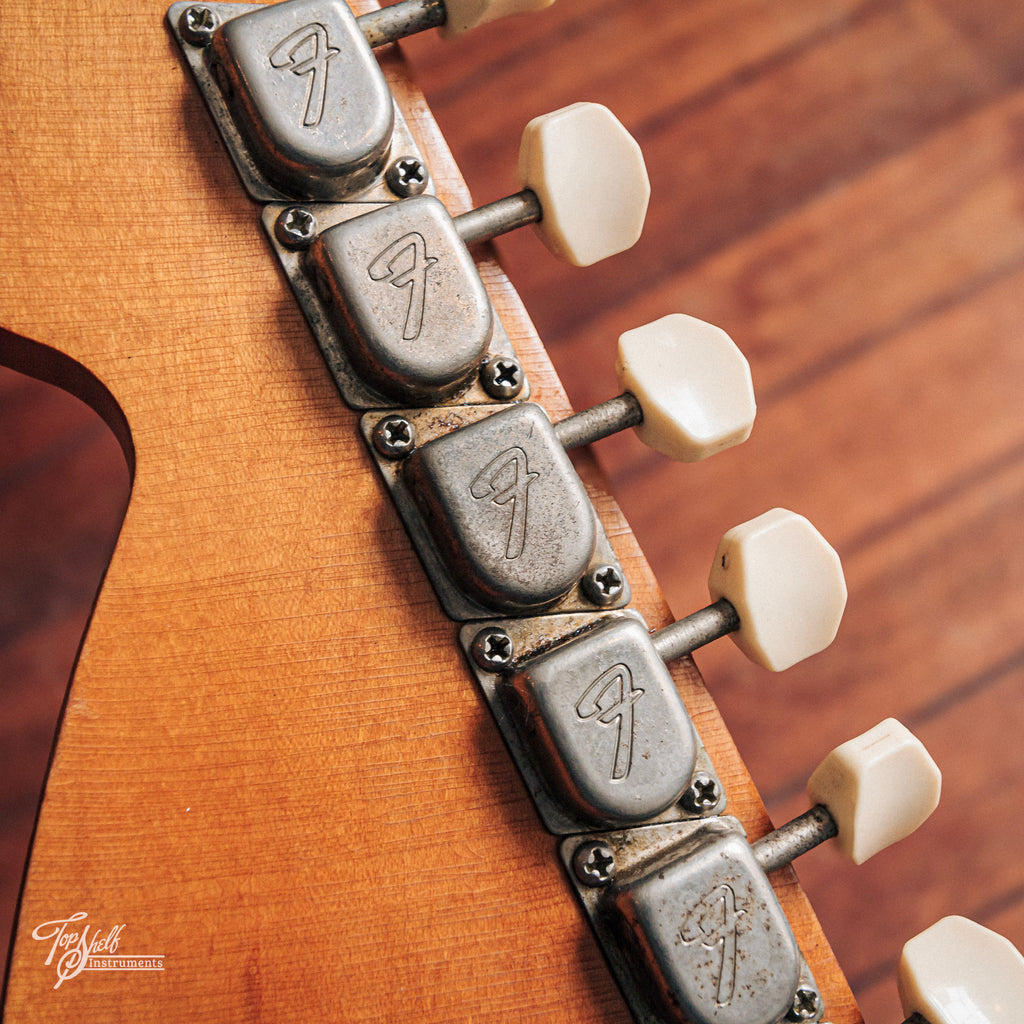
x=696 y=630
x=599 y=421
x=796 y=837
x=390 y=24
x=499 y=217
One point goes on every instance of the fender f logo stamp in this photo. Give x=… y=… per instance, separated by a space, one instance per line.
x=609 y=701
x=76 y=947
x=714 y=924
x=305 y=53
x=505 y=480
x=404 y=264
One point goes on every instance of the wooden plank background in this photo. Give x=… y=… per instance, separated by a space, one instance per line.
x=840 y=185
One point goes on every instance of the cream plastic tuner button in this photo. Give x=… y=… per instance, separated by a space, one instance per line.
x=693 y=385
x=589 y=175
x=869 y=793
x=958 y=972
x=776 y=614
x=687 y=392
x=786 y=584
x=878 y=788
x=463 y=15
x=585 y=187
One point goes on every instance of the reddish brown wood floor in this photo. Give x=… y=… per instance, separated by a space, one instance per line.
x=840 y=184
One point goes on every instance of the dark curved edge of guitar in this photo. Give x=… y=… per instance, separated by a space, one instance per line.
x=840 y=187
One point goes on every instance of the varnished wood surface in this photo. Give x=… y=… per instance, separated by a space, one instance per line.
x=839 y=186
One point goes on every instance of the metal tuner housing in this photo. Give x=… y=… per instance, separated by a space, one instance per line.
x=496 y=511
x=404 y=295
x=691 y=924
x=505 y=509
x=303 y=107
x=604 y=722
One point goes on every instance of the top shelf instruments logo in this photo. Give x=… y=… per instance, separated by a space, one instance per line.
x=77 y=948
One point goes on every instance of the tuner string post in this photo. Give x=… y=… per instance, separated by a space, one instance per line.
x=795 y=838
x=696 y=630
x=389 y=24
x=599 y=421
x=498 y=218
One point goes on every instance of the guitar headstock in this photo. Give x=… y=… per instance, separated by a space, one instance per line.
x=703 y=278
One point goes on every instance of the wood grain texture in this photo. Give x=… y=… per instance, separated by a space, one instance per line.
x=273 y=770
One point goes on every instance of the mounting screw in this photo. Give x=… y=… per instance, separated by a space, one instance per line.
x=594 y=864
x=492 y=649
x=502 y=378
x=407 y=176
x=394 y=437
x=603 y=586
x=702 y=794
x=197 y=25
x=295 y=227
x=807 y=1005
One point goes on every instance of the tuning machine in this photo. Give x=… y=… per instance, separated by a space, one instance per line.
x=501 y=520
x=686 y=913
x=392 y=291
x=591 y=713
x=299 y=98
